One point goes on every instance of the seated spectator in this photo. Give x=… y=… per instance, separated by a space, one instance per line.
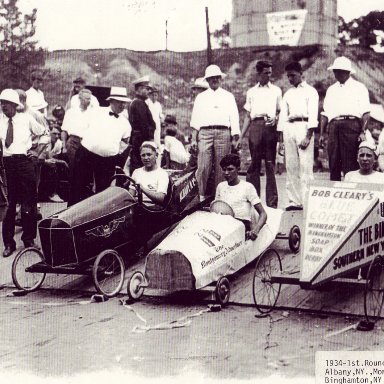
x=240 y=195
x=53 y=169
x=58 y=113
x=152 y=179
x=366 y=157
x=175 y=155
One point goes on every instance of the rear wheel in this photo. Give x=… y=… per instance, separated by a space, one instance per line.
x=294 y=239
x=24 y=280
x=135 y=287
x=374 y=290
x=266 y=293
x=108 y=273
x=222 y=291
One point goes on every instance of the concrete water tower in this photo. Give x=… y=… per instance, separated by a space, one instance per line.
x=284 y=22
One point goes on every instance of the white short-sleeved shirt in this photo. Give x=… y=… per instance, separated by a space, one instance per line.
x=176 y=149
x=350 y=98
x=241 y=197
x=357 y=177
x=263 y=100
x=105 y=133
x=215 y=108
x=25 y=127
x=76 y=121
x=156 y=181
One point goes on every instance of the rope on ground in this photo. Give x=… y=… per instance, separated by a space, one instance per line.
x=184 y=321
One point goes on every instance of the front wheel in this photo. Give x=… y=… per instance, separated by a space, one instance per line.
x=135 y=287
x=294 y=239
x=108 y=273
x=374 y=290
x=265 y=292
x=222 y=291
x=22 y=278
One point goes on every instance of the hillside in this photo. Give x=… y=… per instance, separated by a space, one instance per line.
x=173 y=72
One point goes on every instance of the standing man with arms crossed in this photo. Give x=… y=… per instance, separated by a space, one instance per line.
x=297 y=122
x=262 y=106
x=346 y=113
x=215 y=123
x=16 y=131
x=142 y=123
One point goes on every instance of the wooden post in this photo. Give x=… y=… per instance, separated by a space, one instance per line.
x=209 y=49
x=166 y=34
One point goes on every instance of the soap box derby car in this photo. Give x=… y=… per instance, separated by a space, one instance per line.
x=203 y=249
x=90 y=238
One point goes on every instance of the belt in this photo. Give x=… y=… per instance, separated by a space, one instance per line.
x=19 y=156
x=345 y=117
x=295 y=119
x=215 y=127
x=259 y=118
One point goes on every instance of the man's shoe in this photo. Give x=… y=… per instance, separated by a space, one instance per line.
x=55 y=198
x=8 y=250
x=294 y=208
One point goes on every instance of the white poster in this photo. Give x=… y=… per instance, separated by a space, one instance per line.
x=284 y=28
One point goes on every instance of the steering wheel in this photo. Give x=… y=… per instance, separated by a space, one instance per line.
x=124 y=181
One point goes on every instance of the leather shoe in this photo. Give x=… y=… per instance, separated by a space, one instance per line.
x=8 y=250
x=294 y=208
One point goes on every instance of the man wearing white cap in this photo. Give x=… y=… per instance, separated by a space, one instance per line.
x=141 y=119
x=101 y=143
x=346 y=113
x=215 y=122
x=366 y=158
x=16 y=131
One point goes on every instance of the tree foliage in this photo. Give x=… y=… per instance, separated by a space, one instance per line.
x=363 y=30
x=222 y=35
x=19 y=54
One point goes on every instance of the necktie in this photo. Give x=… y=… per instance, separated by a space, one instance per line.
x=113 y=114
x=9 y=137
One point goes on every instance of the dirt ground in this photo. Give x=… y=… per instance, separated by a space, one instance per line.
x=58 y=335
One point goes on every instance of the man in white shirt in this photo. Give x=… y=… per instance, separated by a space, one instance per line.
x=101 y=143
x=262 y=107
x=215 y=123
x=76 y=122
x=74 y=99
x=297 y=122
x=346 y=113
x=35 y=96
x=16 y=131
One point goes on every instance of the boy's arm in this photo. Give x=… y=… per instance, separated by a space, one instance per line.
x=260 y=223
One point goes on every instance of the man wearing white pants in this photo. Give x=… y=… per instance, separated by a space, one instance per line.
x=297 y=122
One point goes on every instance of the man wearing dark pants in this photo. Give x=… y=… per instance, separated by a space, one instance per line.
x=262 y=106
x=107 y=136
x=140 y=117
x=16 y=131
x=346 y=113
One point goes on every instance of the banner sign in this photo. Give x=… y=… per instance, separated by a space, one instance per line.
x=284 y=28
x=344 y=227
